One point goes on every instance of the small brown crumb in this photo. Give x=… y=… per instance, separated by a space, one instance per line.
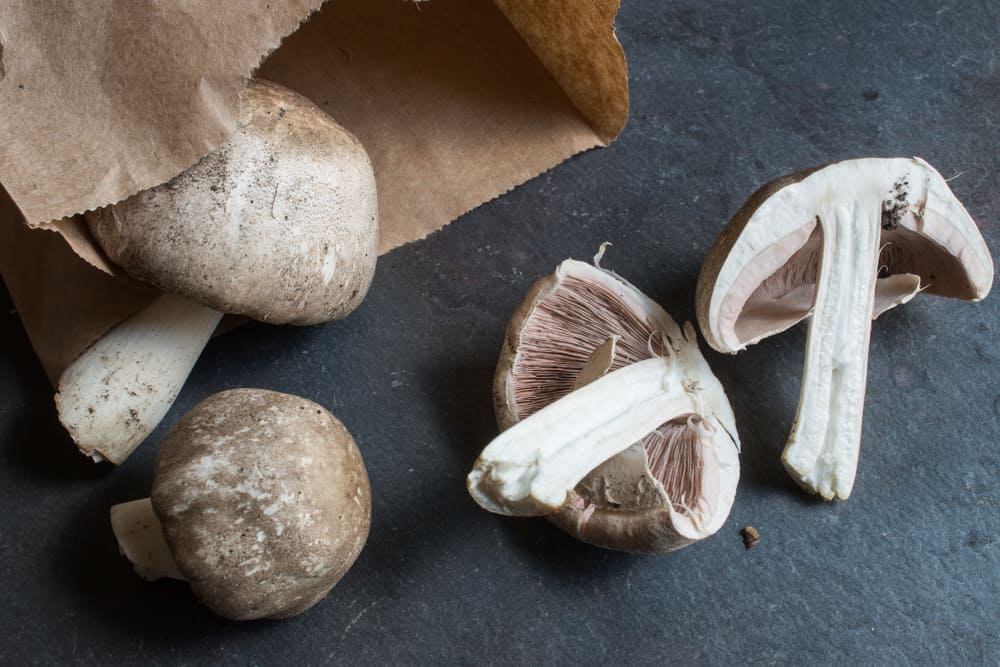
x=751 y=536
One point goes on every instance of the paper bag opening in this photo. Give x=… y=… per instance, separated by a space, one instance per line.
x=456 y=101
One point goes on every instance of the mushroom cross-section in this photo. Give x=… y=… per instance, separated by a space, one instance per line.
x=842 y=243
x=615 y=427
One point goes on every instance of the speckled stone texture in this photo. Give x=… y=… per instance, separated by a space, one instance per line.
x=725 y=96
x=264 y=502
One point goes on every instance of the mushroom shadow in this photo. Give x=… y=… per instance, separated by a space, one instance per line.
x=36 y=444
x=163 y=615
x=463 y=395
x=39 y=449
x=564 y=558
x=96 y=577
x=412 y=531
x=534 y=537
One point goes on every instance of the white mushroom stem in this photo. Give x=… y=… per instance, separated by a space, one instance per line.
x=119 y=389
x=531 y=468
x=140 y=539
x=822 y=450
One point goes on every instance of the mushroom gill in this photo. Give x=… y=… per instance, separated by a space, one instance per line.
x=840 y=244
x=557 y=340
x=675 y=454
x=775 y=289
x=564 y=329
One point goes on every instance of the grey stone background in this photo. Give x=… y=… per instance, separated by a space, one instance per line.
x=725 y=95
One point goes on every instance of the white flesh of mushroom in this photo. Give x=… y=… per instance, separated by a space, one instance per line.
x=847 y=201
x=140 y=539
x=822 y=451
x=532 y=468
x=119 y=389
x=571 y=405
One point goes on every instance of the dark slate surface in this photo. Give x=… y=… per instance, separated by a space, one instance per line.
x=725 y=95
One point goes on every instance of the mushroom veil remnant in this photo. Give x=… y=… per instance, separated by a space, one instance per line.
x=279 y=224
x=614 y=425
x=842 y=243
x=260 y=501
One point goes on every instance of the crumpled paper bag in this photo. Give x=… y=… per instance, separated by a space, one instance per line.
x=456 y=101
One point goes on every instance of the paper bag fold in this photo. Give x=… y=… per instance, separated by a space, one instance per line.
x=102 y=98
x=456 y=101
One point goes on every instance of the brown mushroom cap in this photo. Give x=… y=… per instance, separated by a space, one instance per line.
x=759 y=276
x=280 y=223
x=621 y=506
x=636 y=500
x=264 y=501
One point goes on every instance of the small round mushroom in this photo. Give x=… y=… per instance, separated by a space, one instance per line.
x=842 y=243
x=614 y=426
x=260 y=501
x=279 y=224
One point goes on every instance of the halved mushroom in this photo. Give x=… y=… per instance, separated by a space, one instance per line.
x=278 y=224
x=260 y=501
x=614 y=425
x=844 y=243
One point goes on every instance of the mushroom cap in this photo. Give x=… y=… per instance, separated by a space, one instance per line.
x=280 y=223
x=264 y=501
x=632 y=511
x=621 y=504
x=759 y=276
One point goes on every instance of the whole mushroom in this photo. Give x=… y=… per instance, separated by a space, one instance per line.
x=614 y=426
x=841 y=243
x=260 y=501
x=279 y=224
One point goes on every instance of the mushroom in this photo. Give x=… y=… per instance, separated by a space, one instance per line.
x=260 y=501
x=614 y=425
x=278 y=224
x=843 y=243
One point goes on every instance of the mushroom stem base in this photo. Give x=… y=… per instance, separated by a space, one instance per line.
x=822 y=450
x=140 y=539
x=120 y=388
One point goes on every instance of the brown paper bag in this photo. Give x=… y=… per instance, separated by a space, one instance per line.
x=456 y=101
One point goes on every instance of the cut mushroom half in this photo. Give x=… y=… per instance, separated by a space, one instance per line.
x=615 y=427
x=842 y=243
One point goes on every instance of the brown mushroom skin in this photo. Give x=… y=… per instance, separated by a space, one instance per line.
x=600 y=525
x=644 y=532
x=264 y=501
x=627 y=511
x=280 y=223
